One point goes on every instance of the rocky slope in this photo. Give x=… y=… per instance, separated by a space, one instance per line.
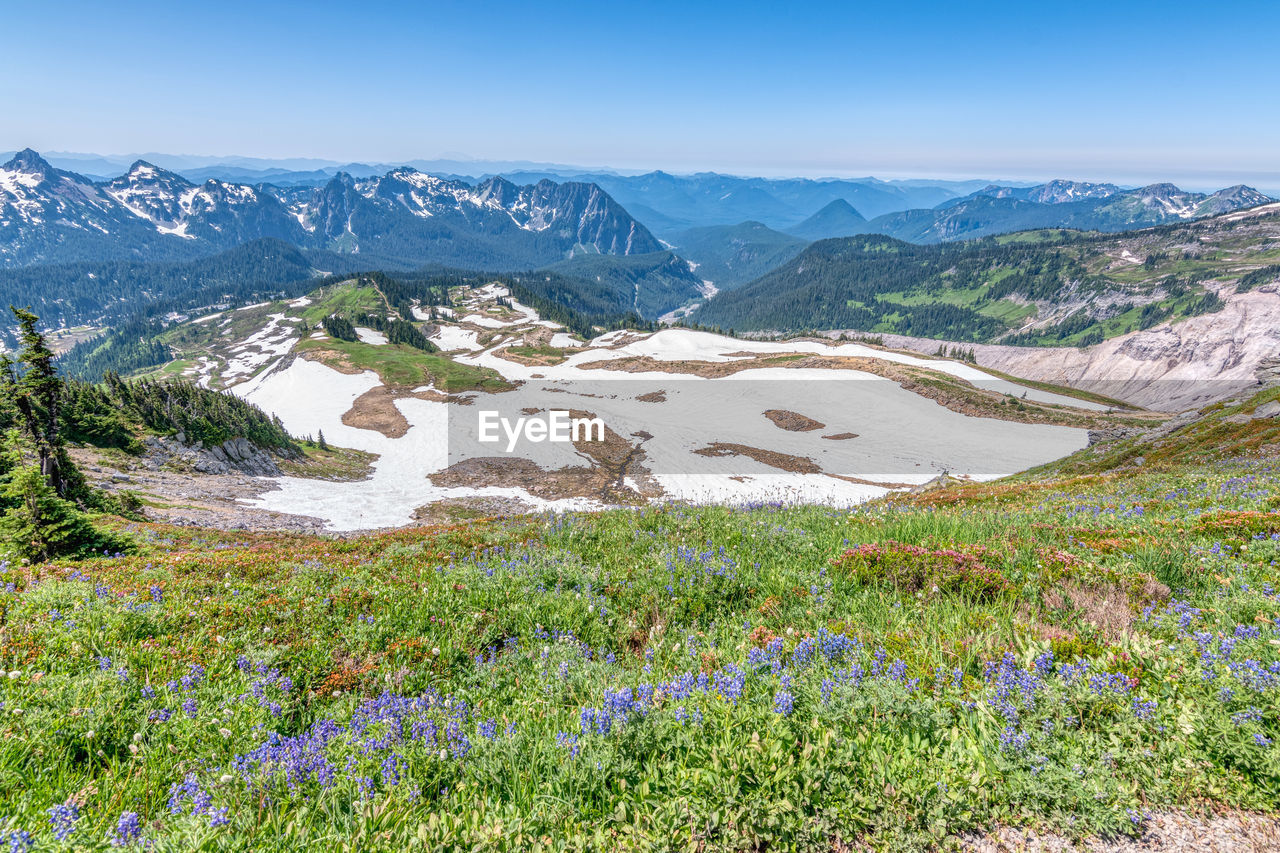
x=1170 y=367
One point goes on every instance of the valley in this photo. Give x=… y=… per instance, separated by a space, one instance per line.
x=668 y=399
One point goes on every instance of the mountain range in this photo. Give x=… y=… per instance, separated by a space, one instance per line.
x=404 y=217
x=99 y=248
x=1058 y=204
x=1044 y=287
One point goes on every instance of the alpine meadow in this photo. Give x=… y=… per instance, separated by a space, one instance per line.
x=829 y=429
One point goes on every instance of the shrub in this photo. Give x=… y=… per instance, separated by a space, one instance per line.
x=912 y=568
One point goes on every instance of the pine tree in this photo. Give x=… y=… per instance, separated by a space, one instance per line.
x=36 y=523
x=321 y=441
x=37 y=395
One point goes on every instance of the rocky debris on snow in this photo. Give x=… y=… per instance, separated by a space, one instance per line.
x=1103 y=436
x=942 y=481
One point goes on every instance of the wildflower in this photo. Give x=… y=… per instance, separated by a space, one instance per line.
x=783 y=703
x=1014 y=741
x=390 y=770
x=19 y=840
x=568 y=741
x=62 y=818
x=128 y=829
x=218 y=817
x=488 y=729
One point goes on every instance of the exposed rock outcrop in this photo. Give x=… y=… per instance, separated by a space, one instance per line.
x=1169 y=367
x=236 y=455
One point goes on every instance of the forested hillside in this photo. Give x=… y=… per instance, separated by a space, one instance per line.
x=729 y=256
x=112 y=413
x=88 y=292
x=1042 y=287
x=648 y=285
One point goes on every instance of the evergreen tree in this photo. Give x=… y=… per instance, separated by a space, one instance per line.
x=36 y=395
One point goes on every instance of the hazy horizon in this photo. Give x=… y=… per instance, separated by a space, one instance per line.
x=1200 y=182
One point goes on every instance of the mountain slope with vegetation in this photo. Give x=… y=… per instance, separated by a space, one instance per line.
x=837 y=219
x=648 y=285
x=98 y=291
x=1059 y=204
x=1042 y=287
x=729 y=256
x=1090 y=650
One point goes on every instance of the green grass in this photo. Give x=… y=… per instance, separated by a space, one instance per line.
x=554 y=355
x=342 y=299
x=776 y=677
x=1008 y=312
x=404 y=366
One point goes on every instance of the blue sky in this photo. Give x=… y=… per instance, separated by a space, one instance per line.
x=1122 y=90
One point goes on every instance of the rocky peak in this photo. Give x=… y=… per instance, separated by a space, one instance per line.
x=27 y=161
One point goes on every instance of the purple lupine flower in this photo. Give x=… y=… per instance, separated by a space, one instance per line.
x=128 y=829
x=20 y=841
x=62 y=818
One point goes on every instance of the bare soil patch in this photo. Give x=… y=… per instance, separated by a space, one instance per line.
x=792 y=421
x=375 y=409
x=608 y=465
x=772 y=458
x=331 y=359
x=841 y=436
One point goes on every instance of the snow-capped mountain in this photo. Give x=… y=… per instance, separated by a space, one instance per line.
x=1054 y=192
x=47 y=214
x=404 y=216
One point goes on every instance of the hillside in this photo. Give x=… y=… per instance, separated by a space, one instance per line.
x=649 y=284
x=97 y=291
x=1043 y=287
x=1068 y=654
x=729 y=256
